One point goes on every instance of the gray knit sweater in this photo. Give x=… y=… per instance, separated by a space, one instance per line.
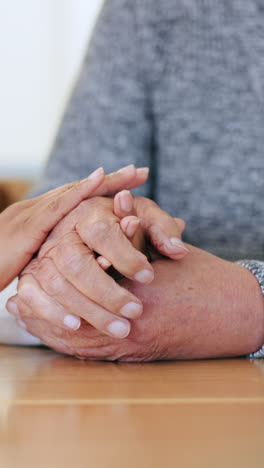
x=177 y=85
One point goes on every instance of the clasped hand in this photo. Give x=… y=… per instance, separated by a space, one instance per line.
x=66 y=282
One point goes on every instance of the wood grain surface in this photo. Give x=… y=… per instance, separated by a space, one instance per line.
x=57 y=411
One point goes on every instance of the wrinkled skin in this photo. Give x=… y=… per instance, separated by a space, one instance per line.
x=66 y=280
x=198 y=307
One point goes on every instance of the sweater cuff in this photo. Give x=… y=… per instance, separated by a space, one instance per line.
x=257 y=268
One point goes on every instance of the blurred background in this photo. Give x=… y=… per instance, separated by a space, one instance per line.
x=42 y=45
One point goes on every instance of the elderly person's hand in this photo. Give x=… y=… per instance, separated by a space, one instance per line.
x=25 y=225
x=198 y=307
x=143 y=221
x=65 y=282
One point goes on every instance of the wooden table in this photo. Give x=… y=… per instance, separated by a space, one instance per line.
x=60 y=412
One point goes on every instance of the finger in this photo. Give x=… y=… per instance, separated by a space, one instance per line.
x=126 y=178
x=39 y=306
x=44 y=305
x=26 y=315
x=130 y=225
x=103 y=262
x=53 y=207
x=87 y=343
x=123 y=204
x=142 y=174
x=107 y=239
x=171 y=247
x=77 y=265
x=162 y=230
x=181 y=223
x=38 y=217
x=83 y=185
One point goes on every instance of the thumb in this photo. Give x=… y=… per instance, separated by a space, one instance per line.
x=163 y=230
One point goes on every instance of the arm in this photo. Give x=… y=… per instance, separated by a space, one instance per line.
x=198 y=307
x=25 y=225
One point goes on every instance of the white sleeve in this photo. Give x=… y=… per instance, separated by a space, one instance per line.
x=10 y=332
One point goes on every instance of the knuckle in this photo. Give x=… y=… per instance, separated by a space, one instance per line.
x=100 y=231
x=55 y=286
x=85 y=212
x=50 y=279
x=27 y=300
x=69 y=259
x=61 y=252
x=114 y=233
x=54 y=205
x=71 y=262
x=87 y=204
x=94 y=204
x=76 y=263
x=70 y=255
x=58 y=245
x=72 y=186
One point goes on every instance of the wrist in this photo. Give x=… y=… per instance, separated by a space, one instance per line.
x=201 y=307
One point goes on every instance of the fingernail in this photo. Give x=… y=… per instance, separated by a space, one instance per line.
x=131 y=310
x=143 y=170
x=177 y=243
x=126 y=201
x=118 y=329
x=103 y=262
x=132 y=227
x=72 y=321
x=144 y=276
x=21 y=324
x=12 y=308
x=96 y=173
x=126 y=169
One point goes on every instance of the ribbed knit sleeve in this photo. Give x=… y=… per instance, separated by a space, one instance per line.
x=257 y=268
